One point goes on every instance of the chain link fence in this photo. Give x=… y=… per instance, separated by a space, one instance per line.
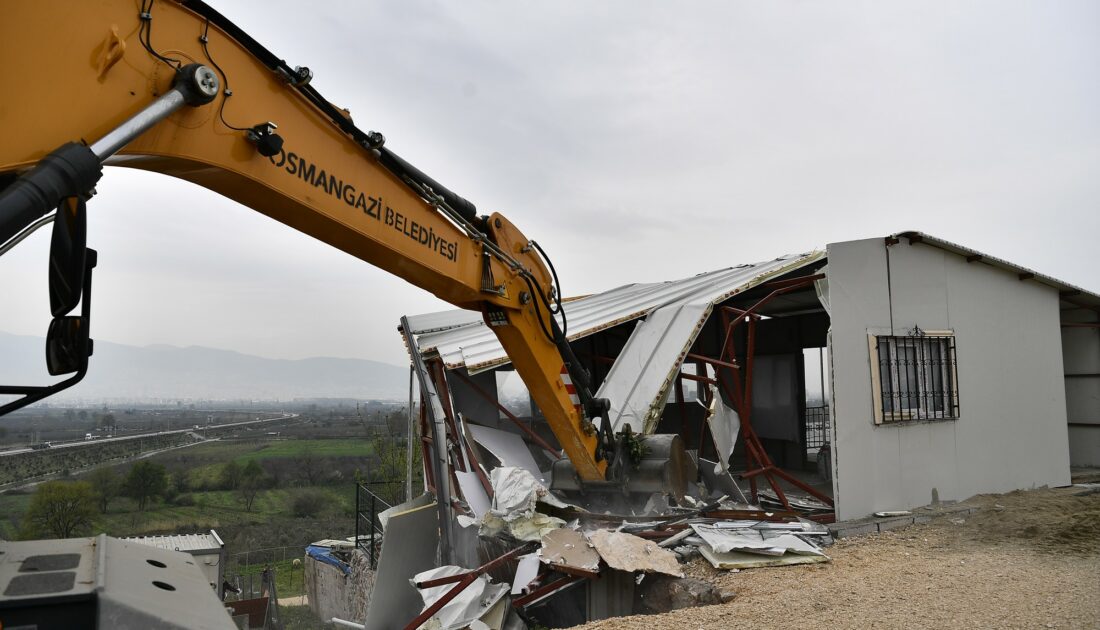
x=243 y=571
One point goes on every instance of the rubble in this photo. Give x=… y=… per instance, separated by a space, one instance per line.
x=627 y=552
x=569 y=551
x=515 y=495
x=472 y=603
x=658 y=594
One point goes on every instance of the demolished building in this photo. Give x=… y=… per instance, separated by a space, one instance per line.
x=878 y=375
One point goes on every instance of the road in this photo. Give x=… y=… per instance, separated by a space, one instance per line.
x=77 y=443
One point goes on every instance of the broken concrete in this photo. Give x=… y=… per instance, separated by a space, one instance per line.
x=566 y=550
x=627 y=552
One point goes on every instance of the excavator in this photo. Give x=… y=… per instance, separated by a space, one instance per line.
x=174 y=87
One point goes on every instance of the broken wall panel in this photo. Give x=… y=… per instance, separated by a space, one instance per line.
x=408 y=547
x=472 y=404
x=743 y=560
x=508 y=448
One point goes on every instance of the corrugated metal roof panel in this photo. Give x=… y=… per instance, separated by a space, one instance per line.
x=181 y=542
x=640 y=378
x=461 y=339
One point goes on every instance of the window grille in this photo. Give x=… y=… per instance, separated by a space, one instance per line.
x=817 y=427
x=916 y=378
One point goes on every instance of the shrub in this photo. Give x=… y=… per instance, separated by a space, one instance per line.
x=308 y=503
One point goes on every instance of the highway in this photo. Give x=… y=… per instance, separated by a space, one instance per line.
x=191 y=429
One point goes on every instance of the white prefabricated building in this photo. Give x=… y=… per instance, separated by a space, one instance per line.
x=943 y=372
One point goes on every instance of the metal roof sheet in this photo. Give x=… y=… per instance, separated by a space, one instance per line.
x=639 y=380
x=461 y=339
x=181 y=542
x=1075 y=292
x=674 y=313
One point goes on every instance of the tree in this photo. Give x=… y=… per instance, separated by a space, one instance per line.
x=107 y=421
x=232 y=473
x=106 y=486
x=252 y=481
x=60 y=509
x=386 y=477
x=146 y=481
x=309 y=465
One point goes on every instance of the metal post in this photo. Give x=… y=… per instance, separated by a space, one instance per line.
x=408 y=444
x=439 y=444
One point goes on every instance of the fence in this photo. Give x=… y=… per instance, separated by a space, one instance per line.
x=368 y=505
x=243 y=571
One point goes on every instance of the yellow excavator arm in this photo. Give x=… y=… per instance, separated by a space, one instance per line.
x=176 y=88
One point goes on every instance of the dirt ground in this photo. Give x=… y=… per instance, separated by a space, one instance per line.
x=1027 y=559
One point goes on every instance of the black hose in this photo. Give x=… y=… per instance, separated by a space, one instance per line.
x=70 y=170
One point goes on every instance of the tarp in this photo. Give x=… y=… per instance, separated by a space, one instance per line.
x=324 y=554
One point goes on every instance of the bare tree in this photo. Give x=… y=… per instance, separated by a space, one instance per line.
x=310 y=465
x=252 y=481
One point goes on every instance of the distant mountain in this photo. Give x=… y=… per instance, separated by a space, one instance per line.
x=166 y=372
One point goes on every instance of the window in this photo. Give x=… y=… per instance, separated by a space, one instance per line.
x=914 y=377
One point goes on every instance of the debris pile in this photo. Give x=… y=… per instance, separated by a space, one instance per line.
x=534 y=550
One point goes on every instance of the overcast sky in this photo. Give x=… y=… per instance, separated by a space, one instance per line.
x=636 y=141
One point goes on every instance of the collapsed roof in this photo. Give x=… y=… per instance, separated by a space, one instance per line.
x=638 y=383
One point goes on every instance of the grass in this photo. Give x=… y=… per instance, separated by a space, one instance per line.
x=208 y=460
x=317 y=449
x=12 y=506
x=299 y=618
x=270 y=522
x=289 y=580
x=212 y=509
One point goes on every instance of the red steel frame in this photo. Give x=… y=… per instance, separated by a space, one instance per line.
x=740 y=391
x=461 y=581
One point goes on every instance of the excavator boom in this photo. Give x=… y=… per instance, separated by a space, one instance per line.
x=175 y=88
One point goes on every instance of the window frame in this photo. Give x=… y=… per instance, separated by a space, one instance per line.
x=946 y=366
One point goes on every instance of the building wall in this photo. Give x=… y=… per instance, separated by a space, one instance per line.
x=1081 y=355
x=1012 y=429
x=330 y=593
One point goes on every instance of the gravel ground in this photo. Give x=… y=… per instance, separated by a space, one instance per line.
x=1024 y=560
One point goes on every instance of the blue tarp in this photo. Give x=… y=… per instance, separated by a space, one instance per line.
x=324 y=554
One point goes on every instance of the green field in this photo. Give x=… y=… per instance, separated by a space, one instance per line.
x=313 y=448
x=203 y=506
x=211 y=510
x=205 y=461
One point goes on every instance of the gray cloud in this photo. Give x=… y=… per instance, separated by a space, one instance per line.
x=637 y=141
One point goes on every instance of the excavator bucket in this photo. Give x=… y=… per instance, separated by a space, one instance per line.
x=651 y=464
